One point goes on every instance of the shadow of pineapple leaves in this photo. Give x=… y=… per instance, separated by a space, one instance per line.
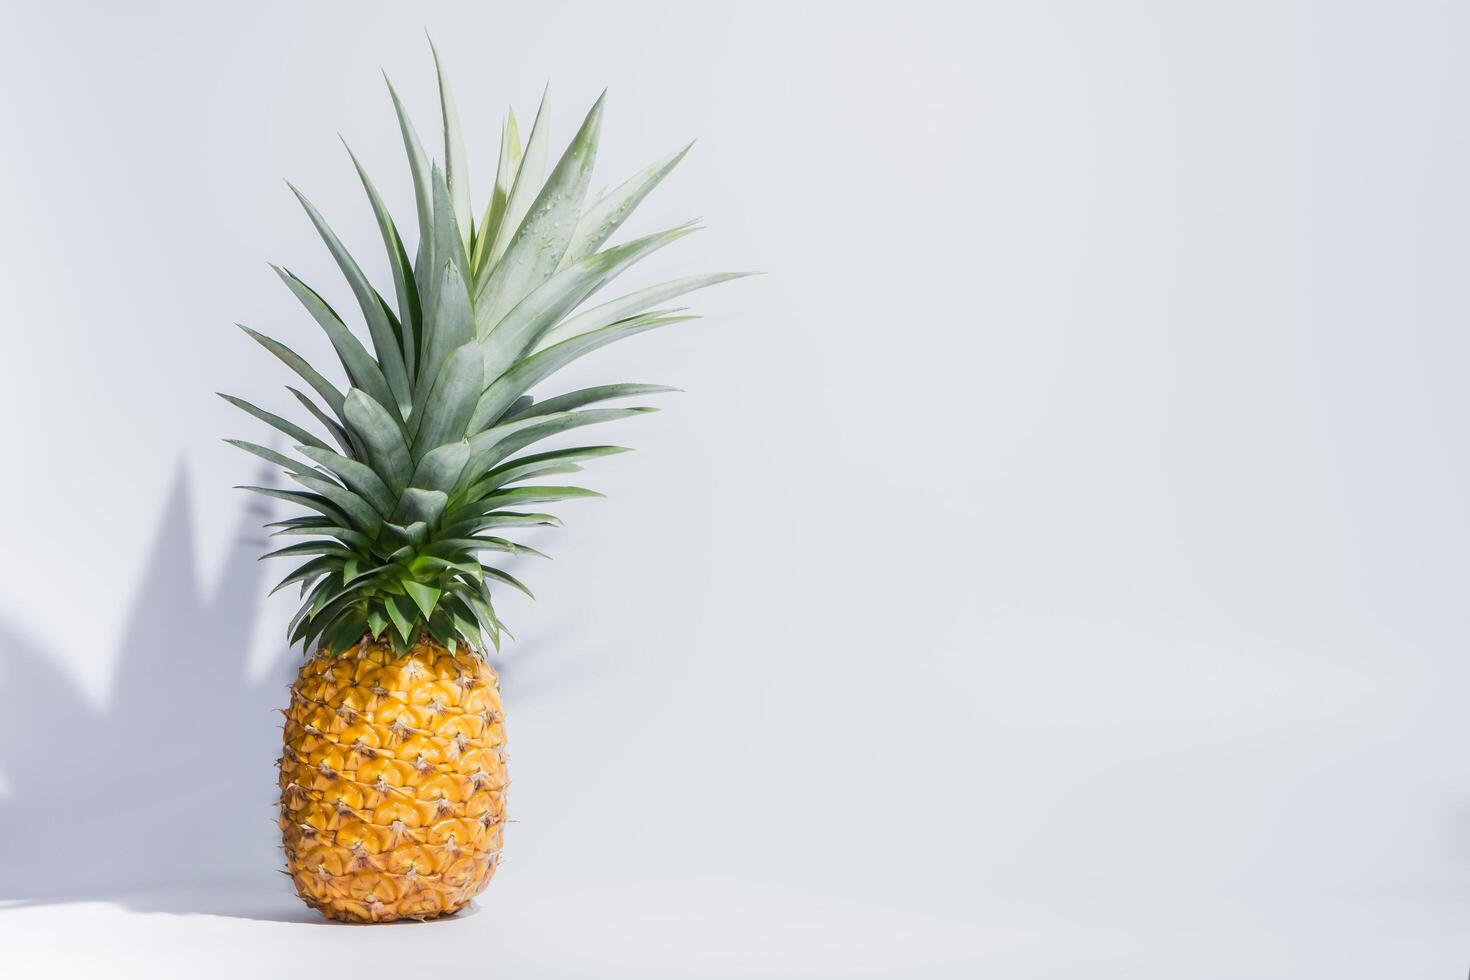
x=161 y=799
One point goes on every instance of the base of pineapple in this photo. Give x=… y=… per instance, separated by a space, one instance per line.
x=393 y=781
x=364 y=898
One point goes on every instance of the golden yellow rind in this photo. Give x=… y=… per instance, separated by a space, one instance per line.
x=393 y=781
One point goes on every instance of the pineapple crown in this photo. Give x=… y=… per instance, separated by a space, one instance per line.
x=424 y=470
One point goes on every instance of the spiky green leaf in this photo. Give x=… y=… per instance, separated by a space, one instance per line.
x=356 y=475
x=541 y=239
x=603 y=218
x=451 y=401
x=456 y=166
x=523 y=190
x=387 y=343
x=510 y=159
x=404 y=286
x=356 y=361
x=541 y=365
x=631 y=305
x=381 y=437
x=297 y=363
x=586 y=396
x=275 y=421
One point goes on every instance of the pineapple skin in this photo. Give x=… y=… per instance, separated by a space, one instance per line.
x=393 y=780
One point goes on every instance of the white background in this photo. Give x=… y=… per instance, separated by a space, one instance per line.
x=1056 y=566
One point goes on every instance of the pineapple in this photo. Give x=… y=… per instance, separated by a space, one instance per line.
x=393 y=772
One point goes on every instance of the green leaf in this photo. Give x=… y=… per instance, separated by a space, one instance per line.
x=539 y=312
x=442 y=630
x=541 y=464
x=358 y=476
x=502 y=518
x=529 y=471
x=541 y=365
x=309 y=548
x=344 y=633
x=451 y=327
x=514 y=496
x=516 y=474
x=510 y=158
x=310 y=570
x=377 y=621
x=363 y=516
x=295 y=362
x=304 y=521
x=451 y=401
x=401 y=622
x=426 y=597
x=465 y=622
x=541 y=240
x=423 y=191
x=271 y=456
x=333 y=427
x=508 y=579
x=632 y=304
x=440 y=469
x=456 y=167
x=410 y=316
x=511 y=547
x=571 y=455
x=483 y=611
x=414 y=535
x=447 y=546
x=324 y=527
x=493 y=445
x=318 y=621
x=598 y=223
x=523 y=191
x=586 y=396
x=310 y=501
x=275 y=421
x=419 y=505
x=358 y=577
x=448 y=250
x=321 y=593
x=386 y=342
x=356 y=361
x=432 y=565
x=381 y=437
x=353 y=539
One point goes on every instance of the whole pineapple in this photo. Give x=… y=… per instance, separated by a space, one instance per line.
x=393 y=773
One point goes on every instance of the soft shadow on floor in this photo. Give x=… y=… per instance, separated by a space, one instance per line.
x=163 y=799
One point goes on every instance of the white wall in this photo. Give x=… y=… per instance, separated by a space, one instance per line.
x=1057 y=561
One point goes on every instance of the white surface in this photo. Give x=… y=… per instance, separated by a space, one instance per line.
x=1056 y=565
